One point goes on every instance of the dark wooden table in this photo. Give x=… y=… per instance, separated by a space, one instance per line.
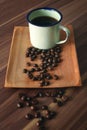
x=73 y=115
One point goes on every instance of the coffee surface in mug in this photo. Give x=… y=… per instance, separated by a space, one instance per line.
x=44 y=21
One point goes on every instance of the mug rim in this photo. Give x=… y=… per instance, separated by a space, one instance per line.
x=46 y=8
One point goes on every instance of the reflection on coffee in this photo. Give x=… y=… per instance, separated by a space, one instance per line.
x=44 y=21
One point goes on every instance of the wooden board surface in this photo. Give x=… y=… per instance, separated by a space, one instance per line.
x=68 y=69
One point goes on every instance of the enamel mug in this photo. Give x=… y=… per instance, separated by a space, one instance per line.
x=46 y=36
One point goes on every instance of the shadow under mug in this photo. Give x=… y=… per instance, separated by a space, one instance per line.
x=46 y=36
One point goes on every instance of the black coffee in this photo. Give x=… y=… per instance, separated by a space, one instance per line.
x=44 y=21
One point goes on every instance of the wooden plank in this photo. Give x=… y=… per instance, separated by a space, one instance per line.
x=68 y=70
x=11 y=9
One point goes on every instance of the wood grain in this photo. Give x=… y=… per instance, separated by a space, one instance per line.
x=72 y=116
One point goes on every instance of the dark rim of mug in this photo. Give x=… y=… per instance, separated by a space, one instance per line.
x=46 y=8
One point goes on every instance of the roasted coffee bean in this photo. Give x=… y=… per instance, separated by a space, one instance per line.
x=28 y=98
x=48 y=116
x=42 y=119
x=61 y=92
x=25 y=70
x=47 y=112
x=48 y=77
x=28 y=64
x=20 y=105
x=29 y=116
x=28 y=103
x=34 y=79
x=34 y=102
x=52 y=113
x=46 y=83
x=22 y=94
x=34 y=107
x=40 y=94
x=44 y=107
x=23 y=97
x=35 y=65
x=39 y=123
x=32 y=70
x=27 y=54
x=56 y=77
x=37 y=115
x=60 y=103
x=65 y=98
x=30 y=76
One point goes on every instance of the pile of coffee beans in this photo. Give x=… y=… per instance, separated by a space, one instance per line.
x=49 y=60
x=39 y=111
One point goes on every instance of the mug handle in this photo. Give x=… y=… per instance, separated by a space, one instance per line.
x=66 y=30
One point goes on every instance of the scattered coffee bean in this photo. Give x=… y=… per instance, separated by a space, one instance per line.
x=20 y=105
x=23 y=97
x=28 y=98
x=28 y=64
x=56 y=77
x=28 y=103
x=60 y=103
x=29 y=116
x=34 y=102
x=44 y=107
x=34 y=108
x=39 y=123
x=37 y=115
x=42 y=119
x=40 y=94
x=24 y=70
x=52 y=114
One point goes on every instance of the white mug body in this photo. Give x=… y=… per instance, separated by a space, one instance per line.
x=44 y=37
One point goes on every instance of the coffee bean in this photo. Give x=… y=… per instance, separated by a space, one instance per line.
x=29 y=116
x=34 y=102
x=37 y=115
x=34 y=107
x=40 y=94
x=27 y=54
x=47 y=112
x=23 y=97
x=60 y=103
x=20 y=105
x=28 y=103
x=28 y=64
x=32 y=70
x=39 y=123
x=42 y=119
x=28 y=98
x=52 y=114
x=65 y=98
x=61 y=92
x=35 y=65
x=56 y=77
x=48 y=116
x=44 y=107
x=24 y=70
x=21 y=94
x=30 y=75
x=46 y=83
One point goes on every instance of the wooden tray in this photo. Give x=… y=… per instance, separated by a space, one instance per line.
x=68 y=69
